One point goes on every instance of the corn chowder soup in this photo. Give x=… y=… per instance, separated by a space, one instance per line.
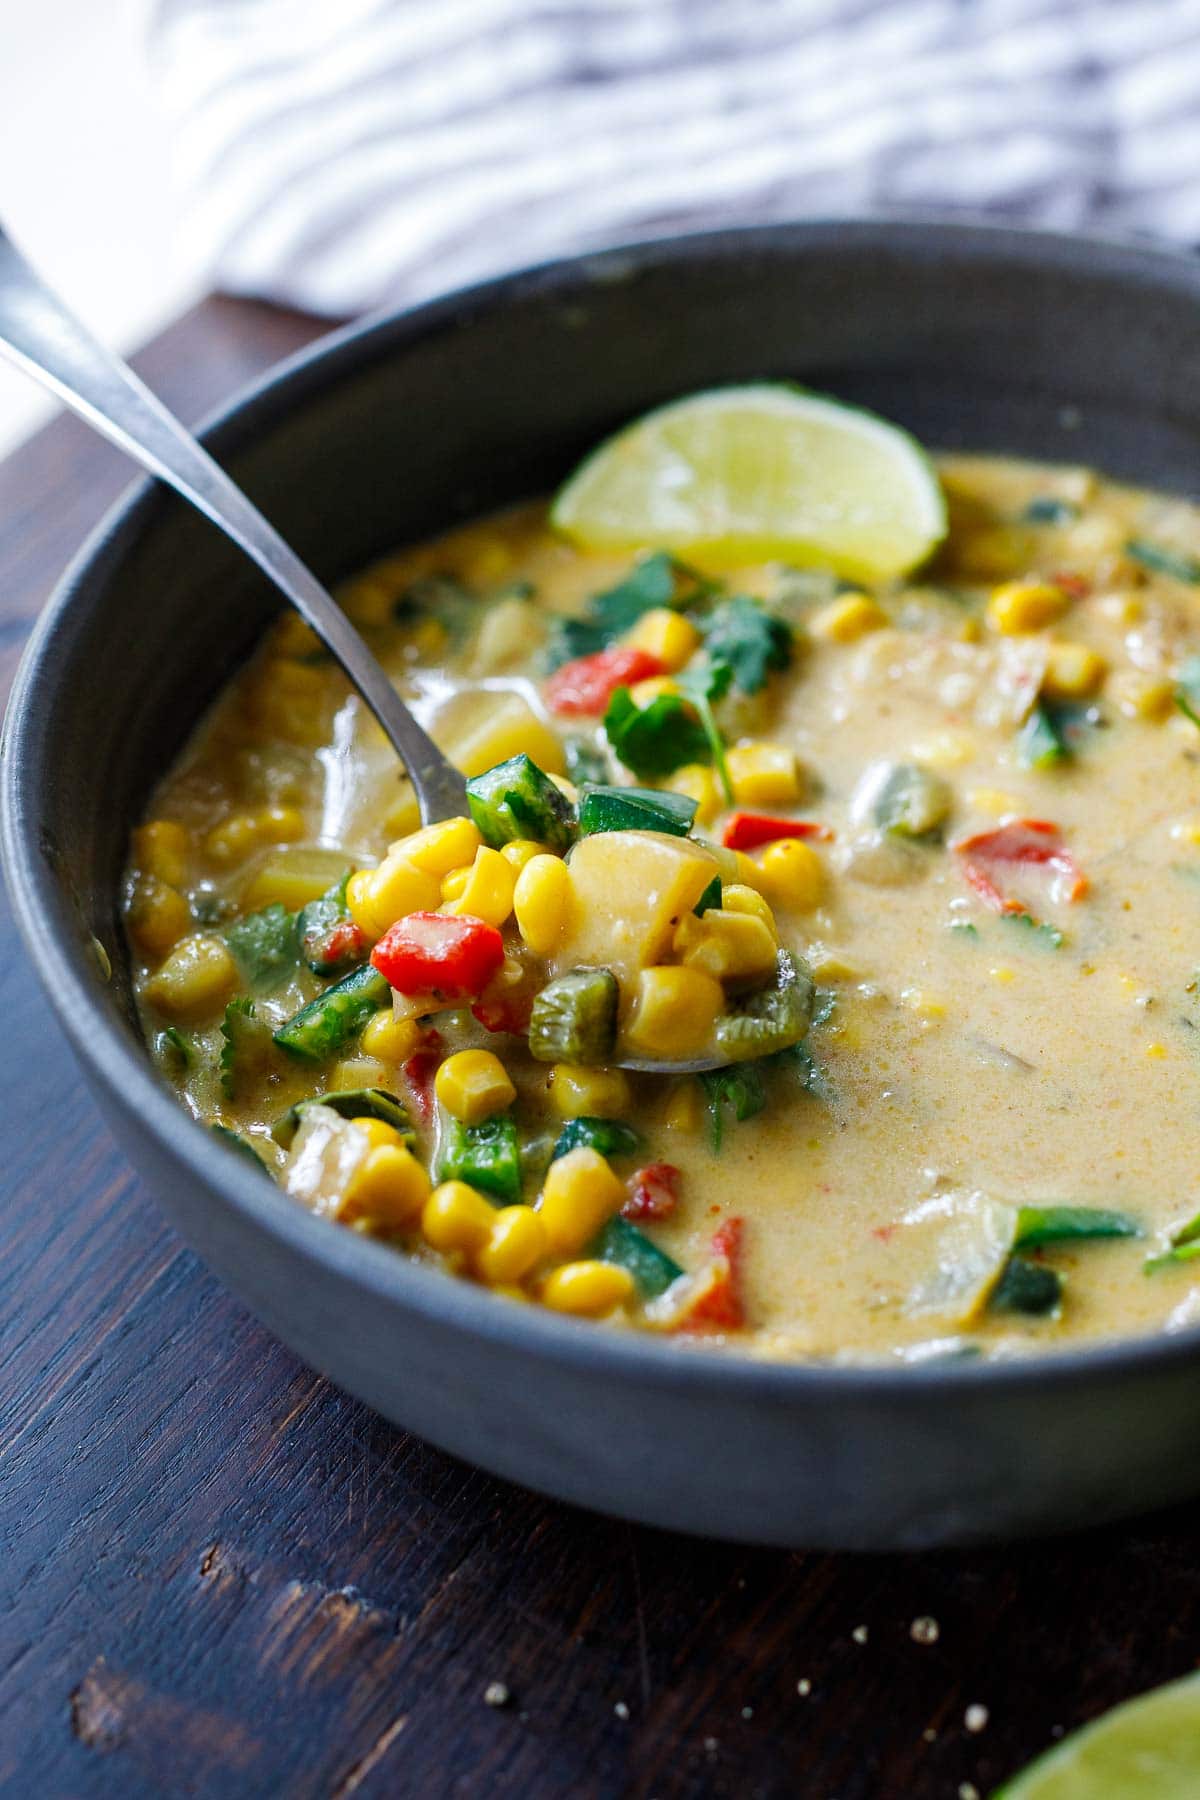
x=919 y=859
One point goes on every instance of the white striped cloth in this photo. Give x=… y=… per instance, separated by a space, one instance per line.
x=343 y=154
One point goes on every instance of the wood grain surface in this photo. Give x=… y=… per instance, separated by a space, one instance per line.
x=221 y=1577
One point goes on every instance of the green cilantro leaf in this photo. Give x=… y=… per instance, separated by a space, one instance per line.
x=742 y=635
x=655 y=739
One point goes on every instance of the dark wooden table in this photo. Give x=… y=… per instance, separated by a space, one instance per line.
x=222 y=1577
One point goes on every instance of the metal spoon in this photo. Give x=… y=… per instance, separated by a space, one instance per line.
x=45 y=339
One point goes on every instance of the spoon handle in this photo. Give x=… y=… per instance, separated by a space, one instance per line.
x=41 y=336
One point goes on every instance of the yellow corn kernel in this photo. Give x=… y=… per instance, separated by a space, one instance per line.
x=368 y=599
x=1186 y=831
x=521 y=851
x=748 y=872
x=969 y=630
x=827 y=965
x=158 y=915
x=763 y=774
x=665 y=634
x=700 y=785
x=579 y=1093
x=197 y=978
x=579 y=1195
x=439 y=848
x=232 y=840
x=389 y=1039
x=487 y=564
x=1073 y=671
x=358 y=1072
x=1143 y=696
x=793 y=874
x=1003 y=974
x=684 y=1110
x=390 y=1187
x=290 y=636
x=1156 y=1050
x=378 y=1132
x=847 y=618
x=726 y=944
x=516 y=1243
x=542 y=900
x=488 y=891
x=455 y=1217
x=740 y=897
x=290 y=699
x=644 y=692
x=674 y=1011
x=378 y=897
x=1122 y=609
x=589 y=1290
x=1020 y=606
x=161 y=848
x=994 y=801
x=454 y=885
x=927 y=1006
x=472 y=1085
x=945 y=750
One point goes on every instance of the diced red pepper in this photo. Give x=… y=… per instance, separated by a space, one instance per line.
x=745 y=831
x=504 y=1010
x=1034 y=843
x=452 y=957
x=419 y=1072
x=586 y=685
x=718 y=1304
x=1077 y=586
x=653 y=1192
x=345 y=942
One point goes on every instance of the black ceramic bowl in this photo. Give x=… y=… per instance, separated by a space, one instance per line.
x=992 y=340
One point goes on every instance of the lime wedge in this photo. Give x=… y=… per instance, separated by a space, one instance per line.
x=1148 y=1749
x=757 y=474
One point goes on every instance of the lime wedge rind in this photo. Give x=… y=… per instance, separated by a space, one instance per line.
x=762 y=472
x=1146 y=1749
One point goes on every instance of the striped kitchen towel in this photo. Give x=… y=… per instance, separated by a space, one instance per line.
x=343 y=154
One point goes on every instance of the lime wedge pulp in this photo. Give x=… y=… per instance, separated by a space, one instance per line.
x=762 y=473
x=1147 y=1749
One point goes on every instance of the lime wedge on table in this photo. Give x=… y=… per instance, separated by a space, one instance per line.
x=1148 y=1749
x=756 y=474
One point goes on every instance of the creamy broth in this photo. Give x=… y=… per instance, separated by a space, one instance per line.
x=963 y=1061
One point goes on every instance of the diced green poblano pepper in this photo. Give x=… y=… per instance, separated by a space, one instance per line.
x=609 y=1136
x=1040 y=741
x=516 y=799
x=1060 y=1224
x=322 y=1029
x=1027 y=1287
x=242 y=1145
x=912 y=802
x=574 y=1018
x=737 y=1088
x=770 y=1019
x=246 y=1047
x=710 y=897
x=623 y=1244
x=1176 y=563
x=348 y=1103
x=634 y=809
x=485 y=1155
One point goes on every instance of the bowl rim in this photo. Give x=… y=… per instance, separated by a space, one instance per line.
x=114 y=1063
